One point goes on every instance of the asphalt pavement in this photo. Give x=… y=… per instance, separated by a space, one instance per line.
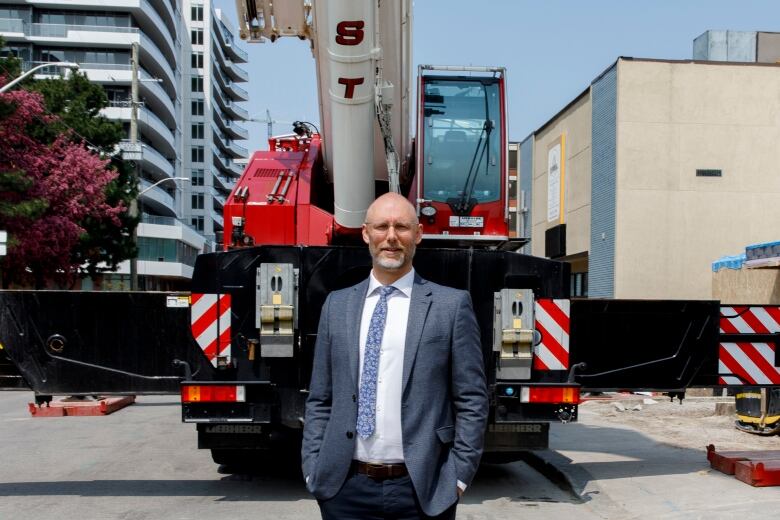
x=142 y=463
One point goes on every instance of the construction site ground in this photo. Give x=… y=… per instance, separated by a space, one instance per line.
x=142 y=463
x=634 y=456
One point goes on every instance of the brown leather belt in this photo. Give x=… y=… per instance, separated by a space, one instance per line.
x=380 y=471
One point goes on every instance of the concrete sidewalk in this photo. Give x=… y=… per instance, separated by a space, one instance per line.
x=623 y=473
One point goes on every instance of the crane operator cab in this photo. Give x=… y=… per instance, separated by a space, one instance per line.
x=461 y=185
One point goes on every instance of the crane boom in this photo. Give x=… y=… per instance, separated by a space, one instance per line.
x=362 y=53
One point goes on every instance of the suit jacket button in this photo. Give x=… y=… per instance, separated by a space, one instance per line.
x=350 y=435
x=354 y=398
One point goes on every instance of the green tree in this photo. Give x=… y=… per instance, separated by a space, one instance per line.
x=76 y=103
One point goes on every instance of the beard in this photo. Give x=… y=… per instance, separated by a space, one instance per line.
x=391 y=263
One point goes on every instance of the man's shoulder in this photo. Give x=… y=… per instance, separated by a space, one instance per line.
x=340 y=294
x=443 y=292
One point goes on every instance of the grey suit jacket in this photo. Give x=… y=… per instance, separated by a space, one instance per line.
x=444 y=403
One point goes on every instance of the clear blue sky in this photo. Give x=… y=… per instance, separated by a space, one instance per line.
x=552 y=49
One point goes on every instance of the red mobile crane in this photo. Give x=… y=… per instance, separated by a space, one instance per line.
x=292 y=235
x=293 y=219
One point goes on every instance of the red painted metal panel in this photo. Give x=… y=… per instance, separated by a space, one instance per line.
x=759 y=474
x=275 y=197
x=552 y=321
x=315 y=226
x=81 y=408
x=726 y=461
x=742 y=363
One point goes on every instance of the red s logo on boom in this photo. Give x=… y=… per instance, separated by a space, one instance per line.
x=350 y=33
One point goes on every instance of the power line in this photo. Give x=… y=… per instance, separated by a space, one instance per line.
x=101 y=149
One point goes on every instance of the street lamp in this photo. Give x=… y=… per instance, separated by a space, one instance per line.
x=62 y=64
x=134 y=213
x=184 y=179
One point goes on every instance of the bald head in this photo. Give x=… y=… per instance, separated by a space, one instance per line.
x=391 y=203
x=392 y=233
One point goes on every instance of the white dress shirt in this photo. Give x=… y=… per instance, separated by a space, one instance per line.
x=386 y=444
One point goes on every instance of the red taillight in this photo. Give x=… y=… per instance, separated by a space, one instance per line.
x=550 y=394
x=213 y=393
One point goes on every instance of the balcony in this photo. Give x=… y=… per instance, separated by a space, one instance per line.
x=98 y=36
x=96 y=72
x=226 y=41
x=109 y=35
x=153 y=26
x=232 y=110
x=235 y=53
x=231 y=129
x=170 y=227
x=150 y=159
x=223 y=183
x=166 y=11
x=156 y=199
x=218 y=198
x=225 y=164
x=236 y=92
x=235 y=72
x=156 y=97
x=160 y=136
x=12 y=29
x=229 y=146
x=219 y=222
x=152 y=59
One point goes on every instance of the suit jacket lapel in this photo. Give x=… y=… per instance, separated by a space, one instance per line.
x=418 y=312
x=357 y=298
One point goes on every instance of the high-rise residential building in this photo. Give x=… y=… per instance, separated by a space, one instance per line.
x=189 y=111
x=212 y=121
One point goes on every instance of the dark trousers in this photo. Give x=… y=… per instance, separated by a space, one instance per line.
x=363 y=498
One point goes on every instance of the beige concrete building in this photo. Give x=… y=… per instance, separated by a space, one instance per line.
x=655 y=170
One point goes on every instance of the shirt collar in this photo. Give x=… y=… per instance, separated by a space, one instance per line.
x=403 y=284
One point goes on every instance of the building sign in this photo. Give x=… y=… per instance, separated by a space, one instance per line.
x=555 y=180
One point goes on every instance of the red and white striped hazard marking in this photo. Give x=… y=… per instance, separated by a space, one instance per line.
x=552 y=321
x=748 y=363
x=210 y=324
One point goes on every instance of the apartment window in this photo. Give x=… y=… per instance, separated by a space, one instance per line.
x=197 y=201
x=16 y=51
x=197 y=107
x=166 y=250
x=83 y=55
x=197 y=223
x=197 y=177
x=197 y=60
x=53 y=55
x=579 y=284
x=197 y=83
x=196 y=13
x=198 y=154
x=196 y=36
x=16 y=13
x=102 y=19
x=197 y=130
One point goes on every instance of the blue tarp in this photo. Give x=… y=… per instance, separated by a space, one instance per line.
x=728 y=262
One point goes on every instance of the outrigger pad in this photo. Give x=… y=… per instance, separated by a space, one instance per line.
x=726 y=461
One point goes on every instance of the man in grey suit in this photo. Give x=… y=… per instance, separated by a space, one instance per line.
x=396 y=413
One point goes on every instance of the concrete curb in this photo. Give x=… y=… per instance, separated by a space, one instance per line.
x=576 y=481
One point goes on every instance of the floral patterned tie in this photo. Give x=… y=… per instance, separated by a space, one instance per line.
x=366 y=419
